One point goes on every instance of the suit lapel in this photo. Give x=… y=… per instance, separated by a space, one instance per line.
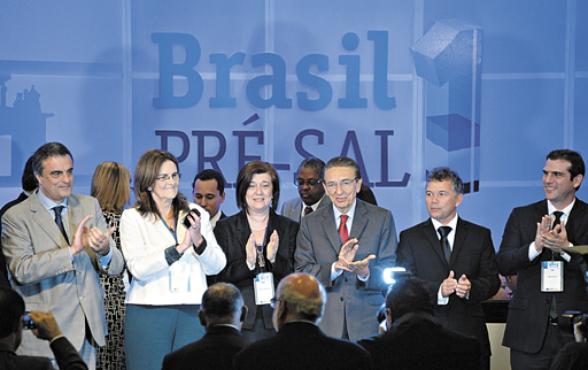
x=459 y=241
x=360 y=220
x=574 y=226
x=431 y=236
x=330 y=229
x=41 y=217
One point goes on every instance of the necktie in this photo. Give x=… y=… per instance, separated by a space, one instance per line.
x=557 y=215
x=343 y=232
x=307 y=210
x=57 y=210
x=553 y=305
x=443 y=232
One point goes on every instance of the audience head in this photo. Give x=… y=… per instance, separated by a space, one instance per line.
x=407 y=295
x=53 y=168
x=12 y=308
x=222 y=304
x=28 y=180
x=157 y=180
x=562 y=175
x=342 y=182
x=309 y=179
x=444 y=194
x=111 y=185
x=299 y=296
x=258 y=186
x=208 y=189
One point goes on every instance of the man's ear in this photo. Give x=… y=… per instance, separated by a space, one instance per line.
x=389 y=318
x=244 y=311
x=202 y=318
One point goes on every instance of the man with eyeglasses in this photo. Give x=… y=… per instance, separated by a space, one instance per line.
x=310 y=188
x=56 y=244
x=346 y=246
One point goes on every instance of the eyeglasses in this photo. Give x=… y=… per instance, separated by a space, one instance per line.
x=274 y=302
x=309 y=182
x=346 y=184
x=165 y=177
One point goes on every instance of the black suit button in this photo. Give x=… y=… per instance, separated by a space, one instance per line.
x=346 y=280
x=341 y=299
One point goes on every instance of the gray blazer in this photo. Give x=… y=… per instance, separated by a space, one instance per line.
x=293 y=208
x=317 y=248
x=48 y=278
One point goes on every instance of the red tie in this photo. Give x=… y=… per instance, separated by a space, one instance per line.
x=343 y=233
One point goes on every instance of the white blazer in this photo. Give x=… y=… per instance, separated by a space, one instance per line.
x=143 y=242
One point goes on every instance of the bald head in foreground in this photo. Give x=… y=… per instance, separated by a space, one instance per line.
x=300 y=344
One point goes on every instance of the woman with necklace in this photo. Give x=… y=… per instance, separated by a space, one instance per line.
x=259 y=245
x=169 y=248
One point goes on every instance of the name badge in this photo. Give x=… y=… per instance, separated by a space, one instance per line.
x=263 y=285
x=179 y=278
x=552 y=276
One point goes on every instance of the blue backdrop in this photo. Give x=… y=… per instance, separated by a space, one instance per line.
x=487 y=87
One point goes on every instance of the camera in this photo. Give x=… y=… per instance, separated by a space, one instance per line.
x=568 y=319
x=186 y=221
x=27 y=322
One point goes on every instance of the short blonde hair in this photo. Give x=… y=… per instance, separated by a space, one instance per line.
x=111 y=185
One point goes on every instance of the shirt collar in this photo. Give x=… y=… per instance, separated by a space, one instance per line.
x=349 y=213
x=48 y=203
x=215 y=218
x=566 y=211
x=452 y=223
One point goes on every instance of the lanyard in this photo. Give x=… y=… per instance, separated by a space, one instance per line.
x=172 y=231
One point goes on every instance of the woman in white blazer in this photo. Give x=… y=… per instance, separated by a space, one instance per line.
x=169 y=248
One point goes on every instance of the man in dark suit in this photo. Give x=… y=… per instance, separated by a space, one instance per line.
x=309 y=178
x=208 y=189
x=222 y=313
x=12 y=311
x=455 y=258
x=300 y=344
x=56 y=243
x=347 y=246
x=414 y=338
x=29 y=184
x=531 y=246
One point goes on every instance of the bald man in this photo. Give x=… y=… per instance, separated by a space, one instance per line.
x=300 y=344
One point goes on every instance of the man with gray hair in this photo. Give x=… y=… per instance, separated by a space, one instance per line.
x=300 y=344
x=222 y=312
x=454 y=257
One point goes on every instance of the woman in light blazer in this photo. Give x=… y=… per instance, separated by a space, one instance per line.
x=169 y=249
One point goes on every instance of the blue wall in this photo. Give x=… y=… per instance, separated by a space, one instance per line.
x=501 y=83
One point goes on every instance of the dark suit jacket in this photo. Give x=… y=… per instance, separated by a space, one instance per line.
x=419 y=251
x=214 y=351
x=301 y=345
x=418 y=341
x=65 y=354
x=232 y=234
x=528 y=310
x=349 y=301
x=3 y=268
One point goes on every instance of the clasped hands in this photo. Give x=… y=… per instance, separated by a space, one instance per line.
x=271 y=250
x=92 y=238
x=461 y=287
x=193 y=234
x=346 y=258
x=552 y=238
